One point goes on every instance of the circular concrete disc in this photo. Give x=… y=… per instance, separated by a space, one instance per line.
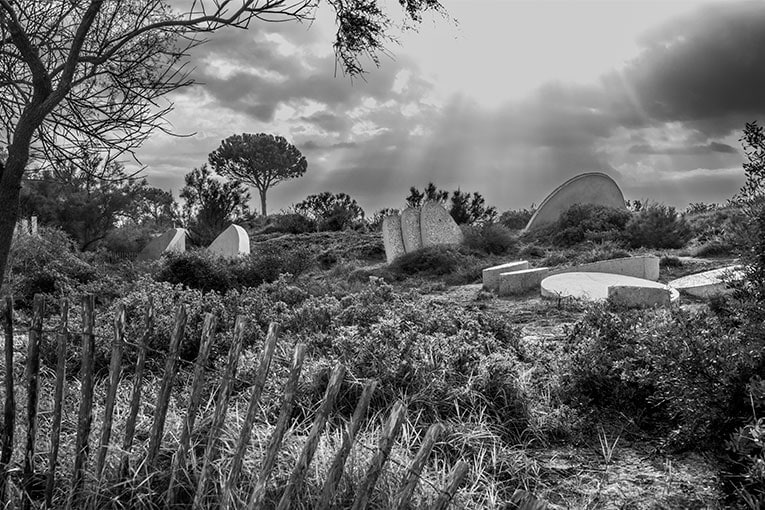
x=707 y=284
x=594 y=286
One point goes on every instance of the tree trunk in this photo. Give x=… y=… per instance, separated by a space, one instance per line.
x=263 y=202
x=9 y=212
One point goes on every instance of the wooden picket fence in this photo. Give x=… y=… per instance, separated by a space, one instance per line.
x=38 y=487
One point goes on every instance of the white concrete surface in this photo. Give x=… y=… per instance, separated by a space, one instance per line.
x=232 y=242
x=595 y=286
x=520 y=282
x=491 y=274
x=709 y=283
x=174 y=240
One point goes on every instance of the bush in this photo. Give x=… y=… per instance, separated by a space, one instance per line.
x=516 y=219
x=658 y=226
x=291 y=223
x=584 y=222
x=456 y=265
x=492 y=239
x=195 y=270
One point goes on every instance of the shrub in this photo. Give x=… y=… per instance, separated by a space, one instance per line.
x=658 y=226
x=584 y=222
x=455 y=265
x=331 y=211
x=492 y=239
x=195 y=270
x=516 y=219
x=532 y=251
x=290 y=223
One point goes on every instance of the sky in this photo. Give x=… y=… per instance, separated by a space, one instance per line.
x=508 y=98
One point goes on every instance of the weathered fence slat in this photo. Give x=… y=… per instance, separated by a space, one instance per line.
x=115 y=364
x=197 y=385
x=221 y=406
x=62 y=337
x=32 y=378
x=135 y=399
x=306 y=455
x=453 y=482
x=85 y=416
x=288 y=401
x=413 y=473
x=9 y=411
x=163 y=398
x=244 y=436
x=390 y=431
x=349 y=436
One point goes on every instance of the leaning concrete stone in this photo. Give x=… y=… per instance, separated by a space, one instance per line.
x=392 y=238
x=438 y=226
x=174 y=240
x=638 y=297
x=520 y=282
x=491 y=274
x=410 y=229
x=232 y=242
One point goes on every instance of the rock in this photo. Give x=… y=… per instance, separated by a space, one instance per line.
x=437 y=226
x=587 y=188
x=232 y=242
x=410 y=229
x=392 y=237
x=491 y=274
x=174 y=240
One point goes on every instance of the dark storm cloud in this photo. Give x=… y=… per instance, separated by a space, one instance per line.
x=709 y=148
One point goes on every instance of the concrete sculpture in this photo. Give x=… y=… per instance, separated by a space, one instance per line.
x=232 y=242
x=174 y=240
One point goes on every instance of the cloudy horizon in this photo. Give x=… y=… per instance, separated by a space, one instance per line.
x=509 y=100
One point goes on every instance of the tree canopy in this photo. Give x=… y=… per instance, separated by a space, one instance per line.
x=261 y=160
x=96 y=71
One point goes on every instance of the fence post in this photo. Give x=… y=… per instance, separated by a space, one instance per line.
x=244 y=436
x=390 y=431
x=413 y=473
x=62 y=338
x=179 y=459
x=9 y=411
x=454 y=480
x=306 y=455
x=32 y=375
x=135 y=399
x=290 y=389
x=115 y=364
x=221 y=406
x=85 y=416
x=336 y=470
x=163 y=398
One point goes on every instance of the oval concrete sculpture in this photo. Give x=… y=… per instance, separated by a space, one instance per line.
x=437 y=226
x=392 y=238
x=709 y=283
x=596 y=287
x=410 y=229
x=643 y=266
x=587 y=188
x=232 y=242
x=174 y=240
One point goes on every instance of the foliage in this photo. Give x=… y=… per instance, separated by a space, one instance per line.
x=492 y=239
x=46 y=264
x=464 y=208
x=747 y=447
x=260 y=160
x=89 y=204
x=376 y=221
x=331 y=211
x=672 y=369
x=431 y=193
x=657 y=226
x=584 y=222
x=456 y=265
x=211 y=205
x=516 y=219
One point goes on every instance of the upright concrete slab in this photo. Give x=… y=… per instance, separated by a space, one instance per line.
x=174 y=240
x=491 y=274
x=232 y=242
x=520 y=282
x=639 y=297
x=587 y=188
x=595 y=286
x=392 y=237
x=643 y=266
x=437 y=226
x=709 y=283
x=410 y=229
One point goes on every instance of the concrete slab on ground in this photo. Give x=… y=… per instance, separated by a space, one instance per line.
x=709 y=283
x=595 y=286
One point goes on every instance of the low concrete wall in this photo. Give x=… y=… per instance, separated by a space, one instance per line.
x=491 y=274
x=644 y=266
x=520 y=282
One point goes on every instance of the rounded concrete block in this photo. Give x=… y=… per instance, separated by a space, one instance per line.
x=392 y=237
x=587 y=188
x=232 y=242
x=174 y=240
x=520 y=282
x=437 y=226
x=410 y=229
x=709 y=283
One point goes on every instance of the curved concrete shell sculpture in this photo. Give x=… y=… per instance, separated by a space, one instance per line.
x=232 y=242
x=587 y=188
x=174 y=240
